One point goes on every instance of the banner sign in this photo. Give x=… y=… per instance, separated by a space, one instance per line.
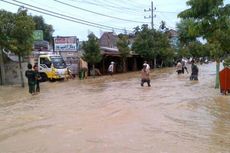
x=38 y=35
x=65 y=43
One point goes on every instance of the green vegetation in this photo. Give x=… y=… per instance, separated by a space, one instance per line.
x=46 y=28
x=16 y=35
x=209 y=20
x=6 y=26
x=92 y=50
x=227 y=62
x=152 y=45
x=123 y=47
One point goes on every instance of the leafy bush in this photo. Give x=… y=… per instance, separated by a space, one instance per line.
x=227 y=62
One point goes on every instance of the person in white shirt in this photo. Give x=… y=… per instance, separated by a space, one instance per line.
x=111 y=68
x=184 y=65
x=147 y=66
x=145 y=76
x=179 y=67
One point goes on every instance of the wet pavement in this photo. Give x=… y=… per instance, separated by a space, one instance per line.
x=116 y=115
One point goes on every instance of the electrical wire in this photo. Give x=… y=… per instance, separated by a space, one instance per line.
x=73 y=6
x=55 y=8
x=108 y=6
x=64 y=18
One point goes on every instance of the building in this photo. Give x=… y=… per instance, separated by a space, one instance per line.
x=173 y=38
x=108 y=39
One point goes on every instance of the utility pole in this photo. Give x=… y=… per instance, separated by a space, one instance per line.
x=152 y=25
x=152 y=15
x=152 y=9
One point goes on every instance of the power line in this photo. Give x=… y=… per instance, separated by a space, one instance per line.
x=120 y=5
x=66 y=18
x=103 y=4
x=167 y=12
x=73 y=6
x=107 y=5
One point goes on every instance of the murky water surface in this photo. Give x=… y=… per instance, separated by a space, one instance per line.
x=116 y=115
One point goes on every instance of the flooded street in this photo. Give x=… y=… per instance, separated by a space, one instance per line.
x=116 y=115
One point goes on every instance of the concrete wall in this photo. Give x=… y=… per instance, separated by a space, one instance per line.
x=13 y=73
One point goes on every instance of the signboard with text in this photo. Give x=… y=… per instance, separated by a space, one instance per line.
x=66 y=43
x=38 y=35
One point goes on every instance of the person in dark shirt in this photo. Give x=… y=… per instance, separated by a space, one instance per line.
x=30 y=74
x=37 y=78
x=195 y=70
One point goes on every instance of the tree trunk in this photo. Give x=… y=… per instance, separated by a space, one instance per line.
x=162 y=62
x=103 y=66
x=21 y=74
x=217 y=85
x=3 y=74
x=135 y=64
x=124 y=64
x=155 y=62
x=93 y=70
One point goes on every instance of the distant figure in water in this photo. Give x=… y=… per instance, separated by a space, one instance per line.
x=184 y=66
x=31 y=76
x=195 y=70
x=111 y=68
x=147 y=65
x=179 y=68
x=145 y=77
x=37 y=78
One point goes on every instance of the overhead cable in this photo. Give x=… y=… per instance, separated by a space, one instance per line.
x=73 y=6
x=106 y=5
x=67 y=16
x=70 y=17
x=60 y=16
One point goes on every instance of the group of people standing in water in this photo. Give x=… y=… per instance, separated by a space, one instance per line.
x=182 y=67
x=34 y=78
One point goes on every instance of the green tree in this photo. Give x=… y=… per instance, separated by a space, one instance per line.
x=17 y=34
x=46 y=28
x=211 y=20
x=227 y=62
x=136 y=30
x=151 y=44
x=144 y=43
x=187 y=31
x=6 y=25
x=22 y=37
x=92 y=52
x=162 y=45
x=195 y=49
x=123 y=47
x=183 y=52
x=162 y=25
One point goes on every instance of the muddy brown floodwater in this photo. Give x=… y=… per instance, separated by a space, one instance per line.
x=116 y=115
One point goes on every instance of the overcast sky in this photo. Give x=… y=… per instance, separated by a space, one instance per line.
x=104 y=14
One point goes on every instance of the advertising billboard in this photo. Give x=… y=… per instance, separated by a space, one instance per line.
x=69 y=43
x=38 y=35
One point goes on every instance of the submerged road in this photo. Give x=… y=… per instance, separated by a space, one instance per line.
x=116 y=115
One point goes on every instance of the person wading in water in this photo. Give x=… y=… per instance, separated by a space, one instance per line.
x=145 y=77
x=31 y=76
